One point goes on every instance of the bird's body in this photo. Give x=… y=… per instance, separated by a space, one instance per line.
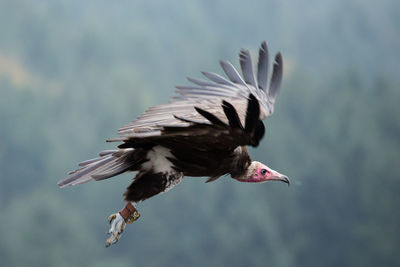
x=201 y=132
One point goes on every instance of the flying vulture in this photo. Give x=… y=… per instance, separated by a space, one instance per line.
x=203 y=131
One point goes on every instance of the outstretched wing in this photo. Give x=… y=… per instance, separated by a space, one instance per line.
x=209 y=133
x=208 y=95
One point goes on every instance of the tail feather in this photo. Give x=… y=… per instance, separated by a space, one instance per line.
x=108 y=164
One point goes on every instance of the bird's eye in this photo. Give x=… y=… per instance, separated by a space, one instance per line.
x=263 y=171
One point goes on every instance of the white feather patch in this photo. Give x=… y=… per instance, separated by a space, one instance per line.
x=158 y=160
x=251 y=169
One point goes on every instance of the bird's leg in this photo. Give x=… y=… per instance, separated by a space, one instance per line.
x=118 y=222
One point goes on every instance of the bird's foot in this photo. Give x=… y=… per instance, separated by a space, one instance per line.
x=118 y=222
x=118 y=225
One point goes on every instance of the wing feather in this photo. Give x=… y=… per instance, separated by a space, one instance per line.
x=218 y=79
x=276 y=78
x=208 y=97
x=247 y=68
x=232 y=115
x=212 y=118
x=262 y=70
x=232 y=73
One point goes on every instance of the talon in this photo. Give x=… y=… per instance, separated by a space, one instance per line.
x=120 y=231
x=118 y=222
x=111 y=217
x=117 y=226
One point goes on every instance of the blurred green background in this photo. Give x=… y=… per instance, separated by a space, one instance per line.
x=73 y=72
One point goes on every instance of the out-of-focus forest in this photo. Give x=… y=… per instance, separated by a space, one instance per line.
x=73 y=72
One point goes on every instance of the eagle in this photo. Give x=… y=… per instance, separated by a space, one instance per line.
x=202 y=131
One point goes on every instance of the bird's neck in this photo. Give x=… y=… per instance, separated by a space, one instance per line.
x=240 y=163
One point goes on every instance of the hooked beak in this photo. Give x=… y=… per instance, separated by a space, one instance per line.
x=285 y=179
x=280 y=177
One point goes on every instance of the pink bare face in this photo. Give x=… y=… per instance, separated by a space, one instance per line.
x=259 y=172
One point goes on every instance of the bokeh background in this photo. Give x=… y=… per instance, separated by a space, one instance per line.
x=72 y=72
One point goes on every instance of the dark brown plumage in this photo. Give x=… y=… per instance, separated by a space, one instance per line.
x=203 y=131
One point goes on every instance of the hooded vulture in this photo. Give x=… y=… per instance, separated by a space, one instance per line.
x=202 y=131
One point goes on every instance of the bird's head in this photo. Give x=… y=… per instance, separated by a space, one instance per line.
x=258 y=172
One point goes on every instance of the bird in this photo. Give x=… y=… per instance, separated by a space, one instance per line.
x=202 y=131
